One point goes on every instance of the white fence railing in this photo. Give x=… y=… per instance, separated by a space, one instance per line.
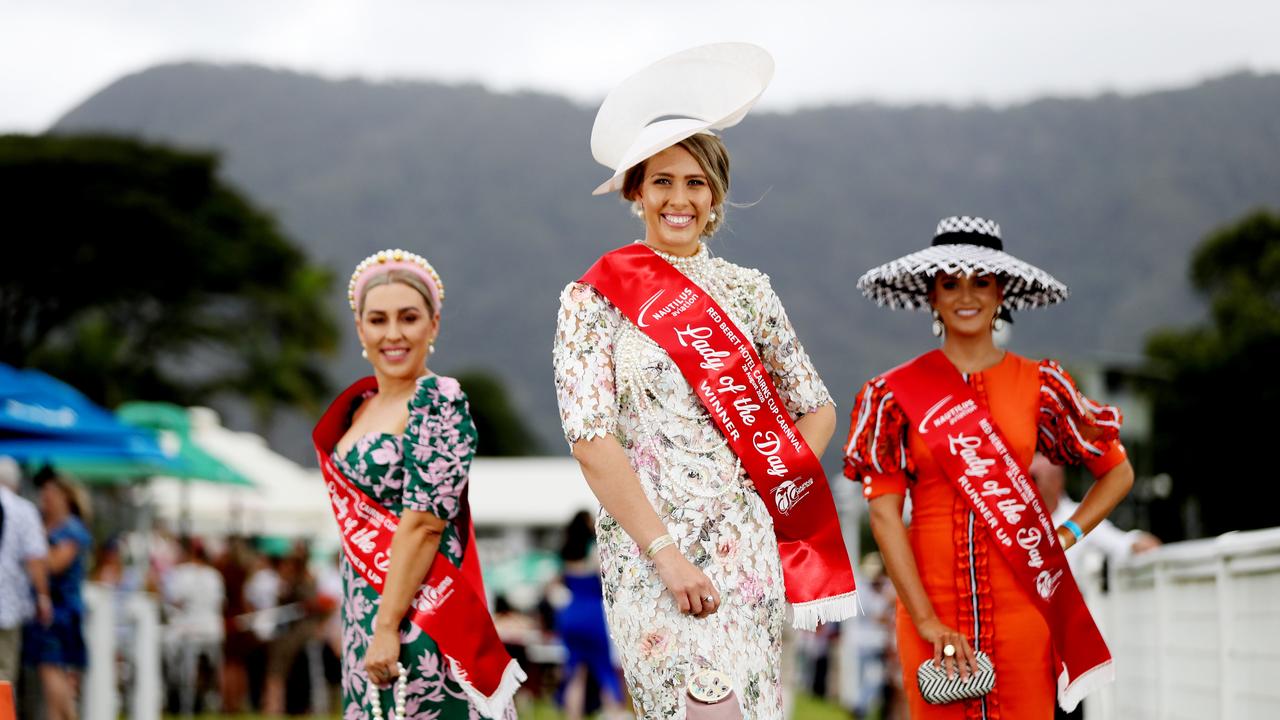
x=1195 y=631
x=100 y=697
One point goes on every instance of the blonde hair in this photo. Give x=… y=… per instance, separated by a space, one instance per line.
x=396 y=275
x=712 y=157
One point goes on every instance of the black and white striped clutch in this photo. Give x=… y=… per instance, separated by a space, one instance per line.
x=938 y=690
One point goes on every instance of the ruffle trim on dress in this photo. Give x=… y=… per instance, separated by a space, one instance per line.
x=1070 y=694
x=495 y=705
x=809 y=615
x=1073 y=427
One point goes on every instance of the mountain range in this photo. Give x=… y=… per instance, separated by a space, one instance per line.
x=1108 y=193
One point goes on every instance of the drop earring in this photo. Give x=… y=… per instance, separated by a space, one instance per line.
x=938 y=328
x=997 y=324
x=637 y=209
x=364 y=353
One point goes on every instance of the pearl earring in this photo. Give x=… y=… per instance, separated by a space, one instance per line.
x=431 y=349
x=938 y=327
x=713 y=216
x=637 y=209
x=364 y=353
x=997 y=323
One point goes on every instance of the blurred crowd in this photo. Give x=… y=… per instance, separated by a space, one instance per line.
x=251 y=624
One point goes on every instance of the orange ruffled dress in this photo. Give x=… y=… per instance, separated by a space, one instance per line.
x=972 y=588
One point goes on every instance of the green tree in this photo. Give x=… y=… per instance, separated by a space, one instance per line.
x=131 y=270
x=502 y=432
x=1213 y=408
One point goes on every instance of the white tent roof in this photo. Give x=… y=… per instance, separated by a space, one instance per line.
x=287 y=499
x=528 y=491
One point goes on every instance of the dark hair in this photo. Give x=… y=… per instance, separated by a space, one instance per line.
x=578 y=536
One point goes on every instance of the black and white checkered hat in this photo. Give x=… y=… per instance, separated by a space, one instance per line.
x=962 y=245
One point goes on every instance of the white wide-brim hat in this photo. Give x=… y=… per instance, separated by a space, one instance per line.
x=710 y=87
x=962 y=245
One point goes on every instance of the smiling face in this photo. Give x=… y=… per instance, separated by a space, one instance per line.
x=676 y=196
x=396 y=330
x=966 y=303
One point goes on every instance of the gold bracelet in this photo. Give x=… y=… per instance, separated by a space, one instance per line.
x=659 y=544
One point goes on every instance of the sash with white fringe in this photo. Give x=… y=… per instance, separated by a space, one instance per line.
x=449 y=605
x=729 y=378
x=968 y=445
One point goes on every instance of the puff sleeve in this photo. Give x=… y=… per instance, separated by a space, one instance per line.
x=582 y=358
x=440 y=441
x=1071 y=428
x=876 y=452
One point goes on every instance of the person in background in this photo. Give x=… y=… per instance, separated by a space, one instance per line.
x=1106 y=538
x=580 y=623
x=873 y=635
x=233 y=565
x=57 y=649
x=195 y=594
x=329 y=633
x=262 y=601
x=296 y=625
x=23 y=556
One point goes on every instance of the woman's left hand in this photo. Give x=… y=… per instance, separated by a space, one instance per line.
x=383 y=656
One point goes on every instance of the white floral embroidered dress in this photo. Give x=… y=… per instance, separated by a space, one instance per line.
x=612 y=379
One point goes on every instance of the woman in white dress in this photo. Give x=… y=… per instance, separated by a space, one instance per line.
x=714 y=598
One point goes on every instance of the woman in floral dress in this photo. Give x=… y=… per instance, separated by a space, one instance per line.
x=659 y=465
x=407 y=444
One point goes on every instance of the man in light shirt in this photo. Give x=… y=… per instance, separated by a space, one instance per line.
x=24 y=551
x=194 y=593
x=1106 y=538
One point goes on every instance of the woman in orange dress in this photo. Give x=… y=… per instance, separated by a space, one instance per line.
x=957 y=593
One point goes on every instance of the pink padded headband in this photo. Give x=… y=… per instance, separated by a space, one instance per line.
x=387 y=260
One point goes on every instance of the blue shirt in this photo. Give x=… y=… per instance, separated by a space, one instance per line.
x=64 y=588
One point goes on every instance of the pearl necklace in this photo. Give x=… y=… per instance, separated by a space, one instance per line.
x=705 y=472
x=402 y=692
x=700 y=259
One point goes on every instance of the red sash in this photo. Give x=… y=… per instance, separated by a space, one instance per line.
x=968 y=446
x=720 y=364
x=449 y=606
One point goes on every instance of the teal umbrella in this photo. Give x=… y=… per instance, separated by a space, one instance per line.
x=173 y=429
x=532 y=569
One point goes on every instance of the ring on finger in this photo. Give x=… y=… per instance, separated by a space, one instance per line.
x=708 y=599
x=949 y=650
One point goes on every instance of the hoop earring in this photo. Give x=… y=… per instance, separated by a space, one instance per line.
x=938 y=328
x=637 y=209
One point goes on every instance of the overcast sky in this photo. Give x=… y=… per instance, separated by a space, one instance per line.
x=55 y=53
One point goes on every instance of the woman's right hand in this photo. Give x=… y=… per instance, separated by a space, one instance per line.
x=939 y=635
x=687 y=584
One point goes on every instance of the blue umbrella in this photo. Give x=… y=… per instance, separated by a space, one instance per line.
x=45 y=420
